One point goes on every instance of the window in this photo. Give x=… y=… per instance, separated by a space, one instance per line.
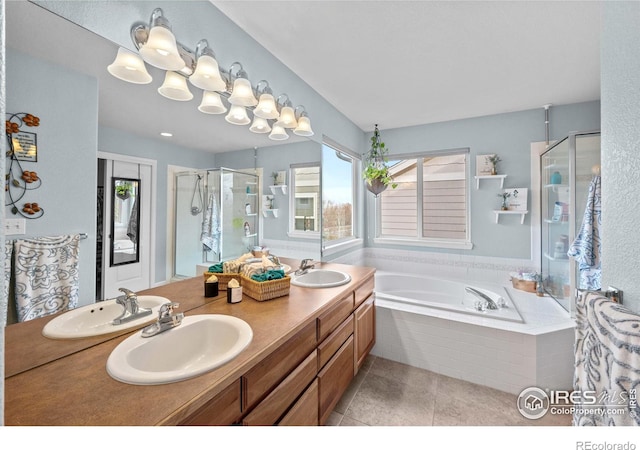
x=430 y=204
x=305 y=192
x=338 y=190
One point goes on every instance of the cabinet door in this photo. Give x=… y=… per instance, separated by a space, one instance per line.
x=365 y=330
x=305 y=410
x=334 y=379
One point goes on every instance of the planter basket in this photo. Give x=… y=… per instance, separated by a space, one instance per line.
x=376 y=186
x=223 y=279
x=266 y=290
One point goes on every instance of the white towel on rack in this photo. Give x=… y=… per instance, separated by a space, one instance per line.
x=46 y=275
x=585 y=249
x=210 y=235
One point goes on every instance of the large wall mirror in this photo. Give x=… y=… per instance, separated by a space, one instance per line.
x=125 y=221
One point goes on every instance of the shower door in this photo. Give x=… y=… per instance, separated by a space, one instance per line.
x=189 y=211
x=567 y=170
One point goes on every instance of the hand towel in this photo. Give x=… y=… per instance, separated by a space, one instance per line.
x=268 y=275
x=46 y=275
x=8 y=254
x=216 y=268
x=585 y=249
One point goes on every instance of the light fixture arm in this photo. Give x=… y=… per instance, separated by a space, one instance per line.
x=300 y=111
x=284 y=103
x=265 y=89
x=158 y=19
x=203 y=48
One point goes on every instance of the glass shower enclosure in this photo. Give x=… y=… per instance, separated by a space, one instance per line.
x=216 y=217
x=568 y=169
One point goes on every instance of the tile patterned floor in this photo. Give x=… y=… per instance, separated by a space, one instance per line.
x=387 y=393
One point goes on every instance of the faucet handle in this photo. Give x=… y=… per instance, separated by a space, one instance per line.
x=128 y=293
x=167 y=309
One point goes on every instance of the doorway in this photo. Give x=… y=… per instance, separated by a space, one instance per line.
x=125 y=250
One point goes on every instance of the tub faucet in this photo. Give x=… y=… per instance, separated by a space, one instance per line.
x=166 y=320
x=131 y=308
x=305 y=265
x=490 y=303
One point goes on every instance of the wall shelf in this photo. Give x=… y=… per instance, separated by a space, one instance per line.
x=281 y=187
x=266 y=212
x=498 y=213
x=489 y=177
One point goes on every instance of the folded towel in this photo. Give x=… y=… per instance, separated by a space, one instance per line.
x=46 y=271
x=249 y=269
x=268 y=275
x=216 y=268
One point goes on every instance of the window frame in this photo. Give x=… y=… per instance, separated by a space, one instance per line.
x=292 y=232
x=419 y=241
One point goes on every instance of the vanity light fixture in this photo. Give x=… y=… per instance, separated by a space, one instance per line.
x=237 y=115
x=211 y=103
x=304 y=123
x=175 y=87
x=242 y=92
x=161 y=49
x=158 y=46
x=278 y=133
x=206 y=75
x=128 y=66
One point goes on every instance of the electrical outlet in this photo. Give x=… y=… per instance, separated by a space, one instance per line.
x=15 y=226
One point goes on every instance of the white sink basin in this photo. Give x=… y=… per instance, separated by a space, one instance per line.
x=97 y=318
x=321 y=278
x=200 y=344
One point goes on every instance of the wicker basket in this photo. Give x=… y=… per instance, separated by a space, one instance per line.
x=223 y=279
x=266 y=290
x=524 y=285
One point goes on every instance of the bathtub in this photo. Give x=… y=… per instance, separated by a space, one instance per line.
x=431 y=323
x=445 y=295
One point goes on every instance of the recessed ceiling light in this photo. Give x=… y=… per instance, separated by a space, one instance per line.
x=165 y=134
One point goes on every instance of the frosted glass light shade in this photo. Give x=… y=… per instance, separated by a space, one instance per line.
x=211 y=103
x=260 y=125
x=278 y=133
x=207 y=75
x=175 y=87
x=266 y=107
x=304 y=127
x=161 y=49
x=237 y=115
x=287 y=118
x=242 y=93
x=129 y=67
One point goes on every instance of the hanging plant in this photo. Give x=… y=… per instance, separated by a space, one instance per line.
x=376 y=173
x=123 y=191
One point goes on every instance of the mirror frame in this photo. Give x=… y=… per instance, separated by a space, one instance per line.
x=114 y=198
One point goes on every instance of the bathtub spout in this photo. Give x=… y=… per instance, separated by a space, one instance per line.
x=490 y=303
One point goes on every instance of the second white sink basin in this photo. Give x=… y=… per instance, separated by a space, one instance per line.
x=321 y=278
x=97 y=318
x=200 y=344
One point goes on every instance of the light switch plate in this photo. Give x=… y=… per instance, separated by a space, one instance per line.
x=15 y=226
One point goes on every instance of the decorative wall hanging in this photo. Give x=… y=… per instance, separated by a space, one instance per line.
x=22 y=146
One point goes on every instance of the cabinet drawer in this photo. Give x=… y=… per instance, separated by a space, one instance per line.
x=334 y=379
x=258 y=381
x=305 y=410
x=223 y=409
x=328 y=321
x=364 y=291
x=280 y=399
x=334 y=341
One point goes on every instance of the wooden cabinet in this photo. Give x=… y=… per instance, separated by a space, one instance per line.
x=364 y=330
x=328 y=321
x=223 y=409
x=334 y=379
x=363 y=291
x=334 y=341
x=262 y=378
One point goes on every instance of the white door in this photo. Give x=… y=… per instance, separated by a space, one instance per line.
x=135 y=275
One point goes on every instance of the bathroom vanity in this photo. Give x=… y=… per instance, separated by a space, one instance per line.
x=306 y=349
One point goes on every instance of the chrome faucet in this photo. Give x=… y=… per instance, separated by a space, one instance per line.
x=305 y=265
x=131 y=311
x=166 y=320
x=490 y=303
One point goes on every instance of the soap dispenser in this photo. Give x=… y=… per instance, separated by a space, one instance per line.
x=556 y=178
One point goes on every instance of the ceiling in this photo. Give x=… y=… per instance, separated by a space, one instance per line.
x=403 y=63
x=395 y=63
